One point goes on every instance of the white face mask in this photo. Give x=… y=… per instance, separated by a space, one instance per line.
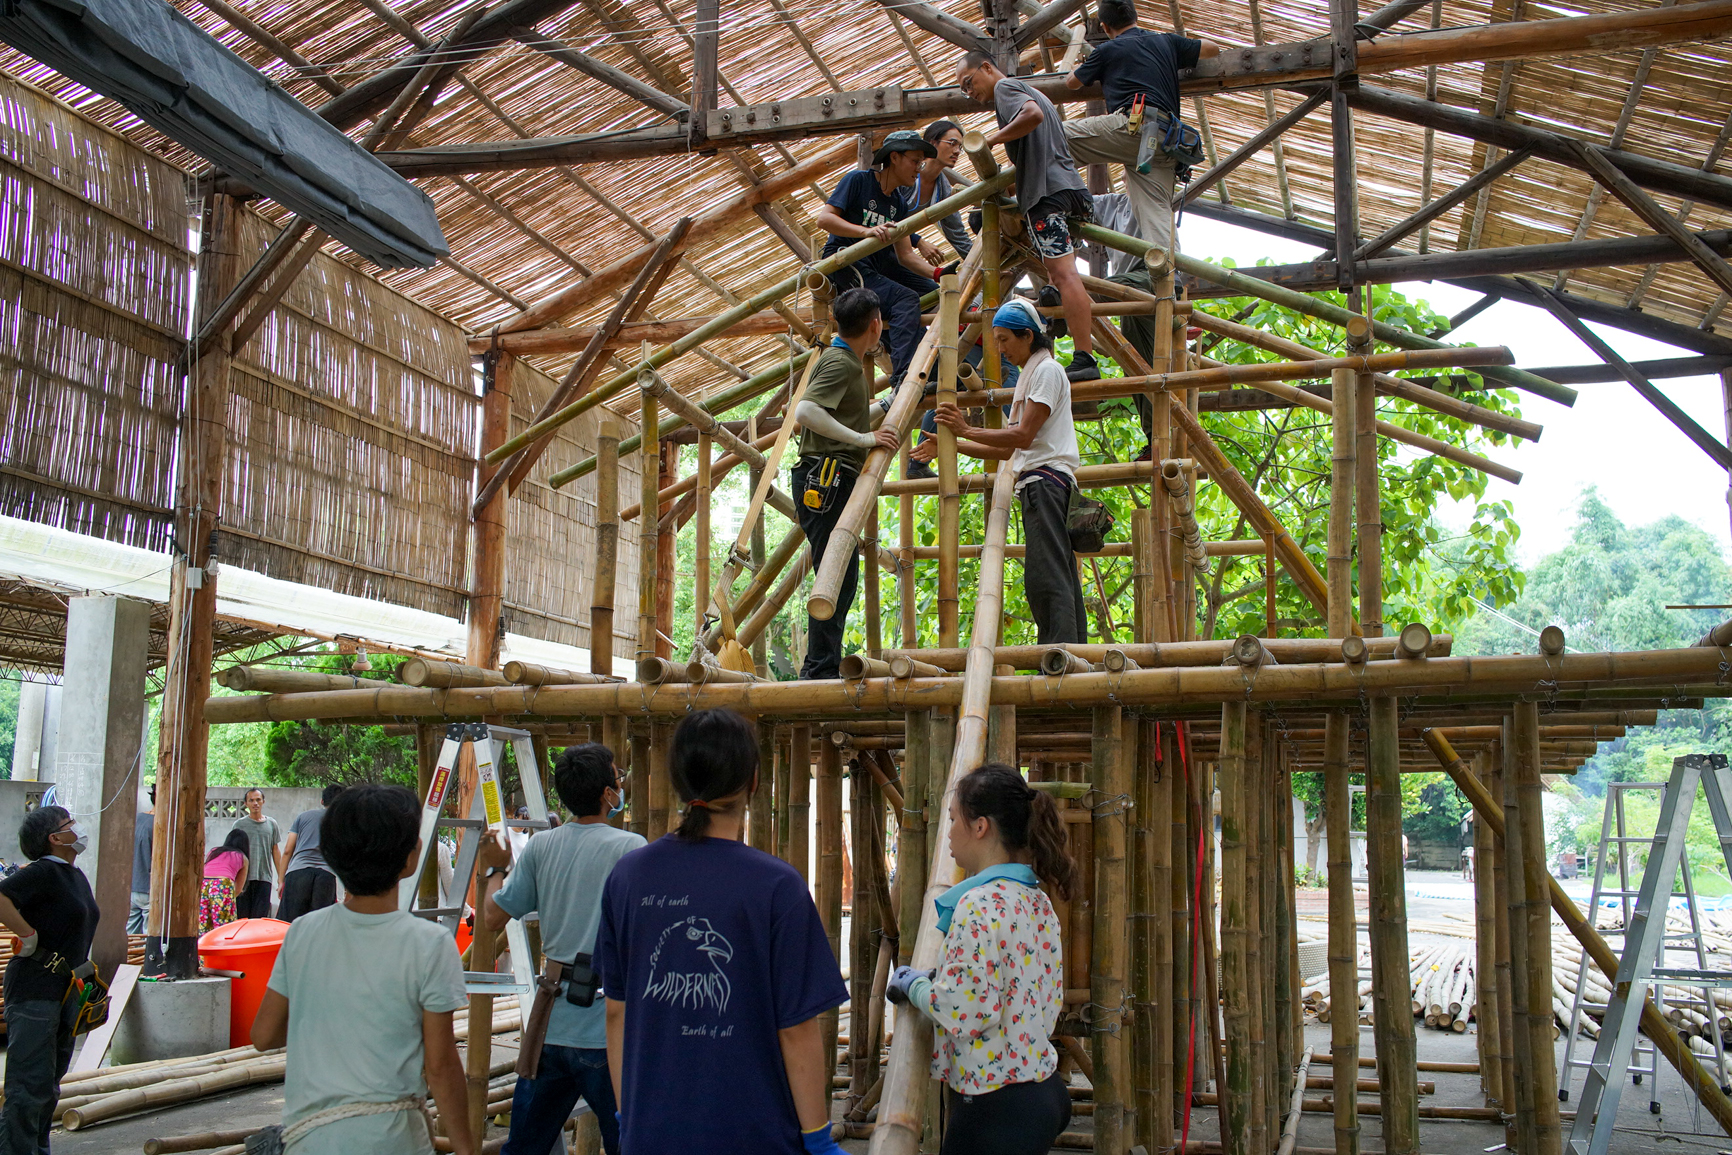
x=80 y=838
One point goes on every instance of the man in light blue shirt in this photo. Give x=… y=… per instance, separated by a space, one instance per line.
x=560 y=874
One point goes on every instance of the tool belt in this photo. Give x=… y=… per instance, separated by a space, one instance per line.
x=823 y=482
x=1160 y=131
x=84 y=985
x=580 y=983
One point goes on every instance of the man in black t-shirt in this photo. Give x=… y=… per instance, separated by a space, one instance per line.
x=1132 y=63
x=49 y=906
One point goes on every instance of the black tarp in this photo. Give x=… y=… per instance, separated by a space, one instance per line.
x=178 y=79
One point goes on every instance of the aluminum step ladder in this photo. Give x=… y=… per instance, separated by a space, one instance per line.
x=1644 y=941
x=487 y=809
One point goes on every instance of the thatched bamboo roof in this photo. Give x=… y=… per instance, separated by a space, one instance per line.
x=519 y=236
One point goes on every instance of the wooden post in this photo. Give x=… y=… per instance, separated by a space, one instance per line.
x=800 y=799
x=828 y=889
x=649 y=547
x=637 y=740
x=1235 y=972
x=1107 y=971
x=661 y=740
x=1506 y=1050
x=949 y=502
x=1391 y=992
x=783 y=783
x=1485 y=908
x=177 y=848
x=1531 y=847
x=1515 y=865
x=701 y=547
x=1343 y=932
x=760 y=820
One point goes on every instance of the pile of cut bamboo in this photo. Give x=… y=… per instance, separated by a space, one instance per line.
x=1443 y=988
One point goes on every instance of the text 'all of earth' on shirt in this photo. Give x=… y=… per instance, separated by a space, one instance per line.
x=714 y=947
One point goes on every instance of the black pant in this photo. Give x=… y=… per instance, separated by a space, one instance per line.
x=306 y=890
x=824 y=639
x=899 y=291
x=1055 y=597
x=1017 y=1119
x=254 y=900
x=1140 y=332
x=38 y=1051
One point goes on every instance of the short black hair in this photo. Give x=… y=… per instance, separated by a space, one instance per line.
x=329 y=794
x=34 y=831
x=854 y=310
x=715 y=755
x=974 y=58
x=582 y=775
x=252 y=790
x=367 y=835
x=1117 y=14
x=936 y=130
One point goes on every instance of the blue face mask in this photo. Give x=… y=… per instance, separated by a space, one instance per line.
x=618 y=809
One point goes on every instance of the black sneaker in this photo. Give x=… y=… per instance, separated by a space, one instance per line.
x=1049 y=298
x=1083 y=368
x=917 y=470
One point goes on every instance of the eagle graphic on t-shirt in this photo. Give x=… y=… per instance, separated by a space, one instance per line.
x=686 y=966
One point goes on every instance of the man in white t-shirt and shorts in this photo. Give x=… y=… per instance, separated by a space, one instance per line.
x=1040 y=444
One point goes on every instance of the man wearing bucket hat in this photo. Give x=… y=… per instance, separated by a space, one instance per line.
x=866 y=204
x=1040 y=444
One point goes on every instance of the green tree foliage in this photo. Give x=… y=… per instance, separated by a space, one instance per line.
x=8 y=724
x=318 y=754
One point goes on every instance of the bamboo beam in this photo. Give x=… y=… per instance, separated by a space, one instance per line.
x=622 y=82
x=949 y=501
x=902 y=1106
x=941 y=24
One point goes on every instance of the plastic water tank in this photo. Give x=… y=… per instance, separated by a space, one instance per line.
x=250 y=946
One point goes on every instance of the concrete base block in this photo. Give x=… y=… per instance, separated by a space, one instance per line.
x=173 y=1020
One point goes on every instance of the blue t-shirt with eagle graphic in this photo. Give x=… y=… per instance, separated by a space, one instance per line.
x=713 y=947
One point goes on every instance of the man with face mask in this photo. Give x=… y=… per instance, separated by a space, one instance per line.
x=48 y=905
x=560 y=874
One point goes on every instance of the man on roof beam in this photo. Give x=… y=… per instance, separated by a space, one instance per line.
x=1138 y=72
x=865 y=204
x=1049 y=190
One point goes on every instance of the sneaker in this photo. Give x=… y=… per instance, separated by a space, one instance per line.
x=1083 y=368
x=918 y=470
x=1049 y=298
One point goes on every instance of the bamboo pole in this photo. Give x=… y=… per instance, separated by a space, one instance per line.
x=800 y=800
x=275 y=680
x=784 y=784
x=1108 y=989
x=949 y=503
x=1182 y=851
x=1235 y=972
x=420 y=672
x=1343 y=933
x=701 y=547
x=1286 y=651
x=902 y=1107
x=1155 y=1117
x=873 y=589
x=637 y=741
x=862 y=946
x=1288 y=1008
x=911 y=832
x=1253 y=797
x=1485 y=942
x=661 y=740
x=1515 y=866
x=1140 y=1051
x=845 y=536
x=909 y=633
x=1654 y=1025
x=648 y=530
x=760 y=819
x=827 y=888
x=1393 y=1022
x=1531 y=846
x=173 y=1091
x=606 y=558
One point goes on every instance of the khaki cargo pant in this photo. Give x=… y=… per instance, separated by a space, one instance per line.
x=1106 y=140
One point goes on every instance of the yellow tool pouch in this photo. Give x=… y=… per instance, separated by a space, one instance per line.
x=823 y=481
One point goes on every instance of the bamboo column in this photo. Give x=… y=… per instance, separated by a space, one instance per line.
x=638 y=742
x=177 y=847
x=661 y=740
x=1280 y=889
x=874 y=610
x=1235 y=972
x=1506 y=1037
x=1182 y=850
x=1343 y=931
x=701 y=547
x=911 y=831
x=1108 y=989
x=800 y=799
x=906 y=606
x=1531 y=847
x=862 y=943
x=1515 y=866
x=783 y=784
x=1155 y=1117
x=828 y=885
x=949 y=501
x=1391 y=991
x=1144 y=1004
x=648 y=528
x=1485 y=908
x=1253 y=797
x=606 y=569
x=760 y=819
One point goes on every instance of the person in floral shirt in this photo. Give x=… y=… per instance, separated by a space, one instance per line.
x=998 y=992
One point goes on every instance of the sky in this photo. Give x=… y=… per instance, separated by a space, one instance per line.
x=1642 y=465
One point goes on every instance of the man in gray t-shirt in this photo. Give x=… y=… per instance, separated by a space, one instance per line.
x=308 y=884
x=1049 y=190
x=264 y=858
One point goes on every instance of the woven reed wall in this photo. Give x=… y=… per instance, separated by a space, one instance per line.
x=352 y=453
x=550 y=533
x=94 y=284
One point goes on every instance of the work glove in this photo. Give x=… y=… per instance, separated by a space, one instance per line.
x=26 y=945
x=819 y=1142
x=946 y=270
x=976 y=222
x=896 y=990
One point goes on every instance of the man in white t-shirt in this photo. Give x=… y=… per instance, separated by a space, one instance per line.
x=560 y=873
x=362 y=995
x=1040 y=444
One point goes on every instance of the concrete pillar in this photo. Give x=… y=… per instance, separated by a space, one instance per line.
x=45 y=757
x=98 y=753
x=27 y=740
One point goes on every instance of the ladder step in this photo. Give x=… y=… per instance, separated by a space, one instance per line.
x=437 y=911
x=1693 y=978
x=463 y=823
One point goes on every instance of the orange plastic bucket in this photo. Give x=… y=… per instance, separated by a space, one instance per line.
x=250 y=946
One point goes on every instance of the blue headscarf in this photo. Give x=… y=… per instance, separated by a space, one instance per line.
x=1018 y=314
x=946 y=902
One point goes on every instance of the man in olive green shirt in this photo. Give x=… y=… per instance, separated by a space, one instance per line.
x=835 y=437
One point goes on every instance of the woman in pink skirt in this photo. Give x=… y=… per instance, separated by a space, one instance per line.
x=222 y=868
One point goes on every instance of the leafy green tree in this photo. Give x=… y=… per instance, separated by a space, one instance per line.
x=317 y=754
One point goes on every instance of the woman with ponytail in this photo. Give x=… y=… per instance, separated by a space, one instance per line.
x=997 y=995
x=716 y=967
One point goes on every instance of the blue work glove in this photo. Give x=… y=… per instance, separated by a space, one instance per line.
x=619 y=1124
x=818 y=1142
x=896 y=990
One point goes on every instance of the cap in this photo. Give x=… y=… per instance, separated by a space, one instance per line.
x=903 y=140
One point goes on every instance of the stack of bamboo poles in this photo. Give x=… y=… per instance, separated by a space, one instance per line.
x=109 y=1093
